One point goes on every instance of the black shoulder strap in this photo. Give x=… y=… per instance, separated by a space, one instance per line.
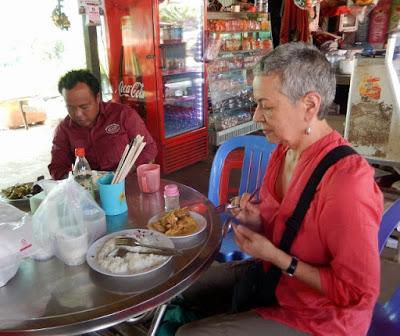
x=294 y=221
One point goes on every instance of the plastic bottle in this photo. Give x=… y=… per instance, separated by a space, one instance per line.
x=378 y=24
x=171 y=197
x=82 y=171
x=394 y=21
x=261 y=6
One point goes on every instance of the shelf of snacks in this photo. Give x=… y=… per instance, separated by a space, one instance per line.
x=238 y=26
x=236 y=15
x=178 y=71
x=241 y=31
x=218 y=137
x=235 y=44
x=266 y=43
x=234 y=63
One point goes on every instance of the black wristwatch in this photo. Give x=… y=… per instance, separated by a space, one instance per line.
x=292 y=267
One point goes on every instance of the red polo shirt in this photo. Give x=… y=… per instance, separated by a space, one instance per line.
x=104 y=143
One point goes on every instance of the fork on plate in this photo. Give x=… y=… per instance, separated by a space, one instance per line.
x=132 y=241
x=122 y=252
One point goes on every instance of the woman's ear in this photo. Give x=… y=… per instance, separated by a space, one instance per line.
x=312 y=103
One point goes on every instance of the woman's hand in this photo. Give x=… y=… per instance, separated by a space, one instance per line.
x=248 y=213
x=260 y=247
x=254 y=244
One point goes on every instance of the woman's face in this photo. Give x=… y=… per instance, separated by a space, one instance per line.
x=283 y=122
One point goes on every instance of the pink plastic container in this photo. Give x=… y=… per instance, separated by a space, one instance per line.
x=148 y=177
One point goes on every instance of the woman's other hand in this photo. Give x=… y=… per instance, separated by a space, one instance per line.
x=254 y=244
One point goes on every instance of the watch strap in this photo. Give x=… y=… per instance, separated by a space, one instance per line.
x=292 y=267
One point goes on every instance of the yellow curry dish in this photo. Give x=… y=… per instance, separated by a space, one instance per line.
x=177 y=222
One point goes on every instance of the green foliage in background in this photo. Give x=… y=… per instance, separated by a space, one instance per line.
x=180 y=14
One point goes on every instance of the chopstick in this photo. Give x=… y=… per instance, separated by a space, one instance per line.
x=222 y=207
x=121 y=161
x=128 y=167
x=253 y=194
x=128 y=158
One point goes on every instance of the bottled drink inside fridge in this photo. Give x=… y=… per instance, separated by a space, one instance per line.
x=130 y=88
x=82 y=171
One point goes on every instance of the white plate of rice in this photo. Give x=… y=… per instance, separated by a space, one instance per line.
x=101 y=254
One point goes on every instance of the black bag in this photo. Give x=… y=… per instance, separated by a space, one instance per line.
x=257 y=288
x=253 y=290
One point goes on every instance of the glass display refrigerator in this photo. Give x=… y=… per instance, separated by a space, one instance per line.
x=373 y=111
x=155 y=51
x=236 y=41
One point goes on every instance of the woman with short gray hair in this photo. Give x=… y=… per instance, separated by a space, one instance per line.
x=314 y=235
x=302 y=69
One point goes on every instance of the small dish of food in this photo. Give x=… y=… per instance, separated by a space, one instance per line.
x=185 y=228
x=18 y=195
x=18 y=191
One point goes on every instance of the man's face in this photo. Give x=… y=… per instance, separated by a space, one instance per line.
x=82 y=105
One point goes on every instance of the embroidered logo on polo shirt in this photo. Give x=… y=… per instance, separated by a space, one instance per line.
x=112 y=128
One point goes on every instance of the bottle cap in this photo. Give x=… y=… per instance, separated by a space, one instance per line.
x=171 y=190
x=80 y=151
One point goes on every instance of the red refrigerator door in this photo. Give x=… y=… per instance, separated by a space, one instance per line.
x=156 y=66
x=131 y=57
x=180 y=39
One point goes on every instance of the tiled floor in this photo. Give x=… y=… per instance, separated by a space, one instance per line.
x=25 y=155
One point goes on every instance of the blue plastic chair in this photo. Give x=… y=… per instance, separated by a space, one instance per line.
x=386 y=317
x=257 y=151
x=390 y=220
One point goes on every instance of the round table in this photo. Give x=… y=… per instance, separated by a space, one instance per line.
x=49 y=297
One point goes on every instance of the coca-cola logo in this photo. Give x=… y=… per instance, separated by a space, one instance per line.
x=135 y=90
x=112 y=128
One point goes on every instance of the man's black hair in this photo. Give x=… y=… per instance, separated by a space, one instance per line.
x=73 y=77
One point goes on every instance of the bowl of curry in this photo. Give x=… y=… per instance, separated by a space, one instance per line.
x=185 y=228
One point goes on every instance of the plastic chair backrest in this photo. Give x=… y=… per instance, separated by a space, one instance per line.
x=390 y=220
x=257 y=151
x=386 y=317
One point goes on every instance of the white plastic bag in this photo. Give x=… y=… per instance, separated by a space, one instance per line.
x=67 y=222
x=16 y=240
x=16 y=230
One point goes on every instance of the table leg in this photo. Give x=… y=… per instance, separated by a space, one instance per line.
x=157 y=319
x=21 y=108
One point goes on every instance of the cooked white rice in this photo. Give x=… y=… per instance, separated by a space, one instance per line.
x=132 y=263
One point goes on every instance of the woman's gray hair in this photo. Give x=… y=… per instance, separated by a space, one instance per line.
x=302 y=68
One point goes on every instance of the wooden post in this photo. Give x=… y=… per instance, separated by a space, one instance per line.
x=91 y=50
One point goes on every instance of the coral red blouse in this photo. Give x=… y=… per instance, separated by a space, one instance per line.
x=339 y=235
